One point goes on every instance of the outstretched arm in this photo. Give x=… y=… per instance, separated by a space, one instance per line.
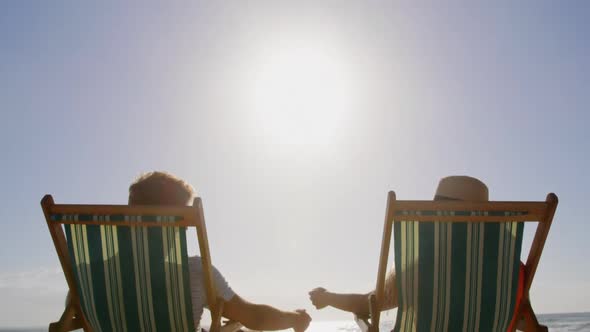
x=264 y=317
x=355 y=303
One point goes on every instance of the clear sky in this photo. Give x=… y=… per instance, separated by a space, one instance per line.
x=292 y=121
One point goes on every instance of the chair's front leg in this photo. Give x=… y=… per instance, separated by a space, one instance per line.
x=374 y=312
x=531 y=322
x=68 y=321
x=216 y=316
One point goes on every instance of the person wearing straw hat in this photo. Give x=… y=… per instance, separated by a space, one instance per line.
x=464 y=188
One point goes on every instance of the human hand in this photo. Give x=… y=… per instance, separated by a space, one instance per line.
x=318 y=297
x=302 y=320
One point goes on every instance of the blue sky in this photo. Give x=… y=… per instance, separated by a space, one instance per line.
x=91 y=95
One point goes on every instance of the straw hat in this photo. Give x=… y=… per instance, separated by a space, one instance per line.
x=464 y=188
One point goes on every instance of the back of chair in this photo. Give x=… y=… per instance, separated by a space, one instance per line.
x=456 y=276
x=131 y=279
x=128 y=265
x=457 y=263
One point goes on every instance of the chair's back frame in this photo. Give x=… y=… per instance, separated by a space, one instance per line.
x=192 y=216
x=541 y=212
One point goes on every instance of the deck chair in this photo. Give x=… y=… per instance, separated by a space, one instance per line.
x=127 y=266
x=457 y=264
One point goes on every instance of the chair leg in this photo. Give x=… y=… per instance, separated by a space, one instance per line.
x=374 y=313
x=67 y=322
x=530 y=319
x=216 y=316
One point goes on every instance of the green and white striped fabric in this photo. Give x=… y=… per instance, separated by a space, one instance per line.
x=131 y=279
x=456 y=276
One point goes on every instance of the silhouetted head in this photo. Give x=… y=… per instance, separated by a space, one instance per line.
x=160 y=188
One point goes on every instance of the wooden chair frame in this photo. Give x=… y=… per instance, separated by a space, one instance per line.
x=541 y=212
x=193 y=216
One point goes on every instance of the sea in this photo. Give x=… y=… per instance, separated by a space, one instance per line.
x=578 y=322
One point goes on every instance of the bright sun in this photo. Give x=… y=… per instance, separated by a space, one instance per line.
x=301 y=96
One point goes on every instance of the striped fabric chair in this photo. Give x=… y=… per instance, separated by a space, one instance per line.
x=457 y=264
x=127 y=266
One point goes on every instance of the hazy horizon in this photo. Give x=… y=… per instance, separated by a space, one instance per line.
x=292 y=121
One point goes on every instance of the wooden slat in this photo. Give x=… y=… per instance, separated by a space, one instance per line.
x=61 y=247
x=182 y=223
x=374 y=312
x=539 y=241
x=469 y=219
x=534 y=208
x=385 y=244
x=210 y=289
x=187 y=212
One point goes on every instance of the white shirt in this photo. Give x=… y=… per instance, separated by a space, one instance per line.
x=198 y=293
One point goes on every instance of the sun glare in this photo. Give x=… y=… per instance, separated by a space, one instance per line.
x=301 y=96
